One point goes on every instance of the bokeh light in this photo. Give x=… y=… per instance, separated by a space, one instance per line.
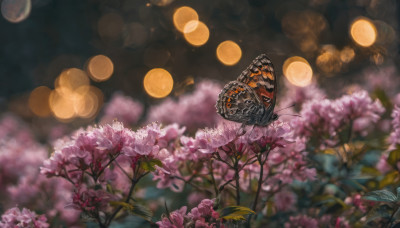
x=298 y=71
x=38 y=101
x=61 y=105
x=329 y=59
x=305 y=28
x=183 y=15
x=70 y=80
x=363 y=32
x=100 y=68
x=229 y=53
x=158 y=83
x=87 y=102
x=16 y=10
x=347 y=54
x=196 y=33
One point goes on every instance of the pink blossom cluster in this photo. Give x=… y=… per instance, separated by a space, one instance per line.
x=301 y=221
x=201 y=216
x=394 y=137
x=394 y=140
x=285 y=200
x=109 y=154
x=286 y=160
x=193 y=111
x=122 y=108
x=15 y=218
x=14 y=129
x=284 y=165
x=305 y=221
x=358 y=202
x=325 y=119
x=20 y=179
x=384 y=78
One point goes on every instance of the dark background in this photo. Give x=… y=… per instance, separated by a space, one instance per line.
x=59 y=34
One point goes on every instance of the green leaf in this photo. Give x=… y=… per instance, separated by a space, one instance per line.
x=235 y=213
x=394 y=157
x=332 y=203
x=381 y=196
x=135 y=209
x=378 y=211
x=398 y=193
x=370 y=171
x=149 y=165
x=389 y=179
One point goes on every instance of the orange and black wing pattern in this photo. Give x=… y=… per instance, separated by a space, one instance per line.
x=260 y=76
x=251 y=98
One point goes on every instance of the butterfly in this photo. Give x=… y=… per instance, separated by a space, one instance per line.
x=250 y=99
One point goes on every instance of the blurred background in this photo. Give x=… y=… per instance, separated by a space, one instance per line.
x=61 y=61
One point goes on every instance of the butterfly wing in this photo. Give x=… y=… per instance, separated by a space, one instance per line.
x=260 y=76
x=238 y=102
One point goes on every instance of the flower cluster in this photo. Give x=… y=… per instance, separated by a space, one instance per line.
x=123 y=109
x=14 y=218
x=201 y=216
x=395 y=135
x=302 y=221
x=323 y=120
x=20 y=179
x=193 y=110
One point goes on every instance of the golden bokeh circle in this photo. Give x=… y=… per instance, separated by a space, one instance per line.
x=61 y=105
x=100 y=68
x=158 y=83
x=86 y=102
x=363 y=32
x=196 y=33
x=347 y=54
x=183 y=15
x=38 y=101
x=70 y=80
x=298 y=71
x=229 y=53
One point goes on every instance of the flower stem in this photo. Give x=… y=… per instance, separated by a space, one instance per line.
x=260 y=180
x=134 y=182
x=236 y=167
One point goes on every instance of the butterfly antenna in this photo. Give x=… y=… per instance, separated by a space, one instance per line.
x=290 y=106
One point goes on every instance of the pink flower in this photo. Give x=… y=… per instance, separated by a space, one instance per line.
x=383 y=166
x=275 y=135
x=176 y=219
x=341 y=222
x=122 y=108
x=92 y=149
x=324 y=119
x=357 y=201
x=204 y=209
x=395 y=135
x=384 y=78
x=301 y=221
x=201 y=216
x=285 y=200
x=14 y=218
x=209 y=140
